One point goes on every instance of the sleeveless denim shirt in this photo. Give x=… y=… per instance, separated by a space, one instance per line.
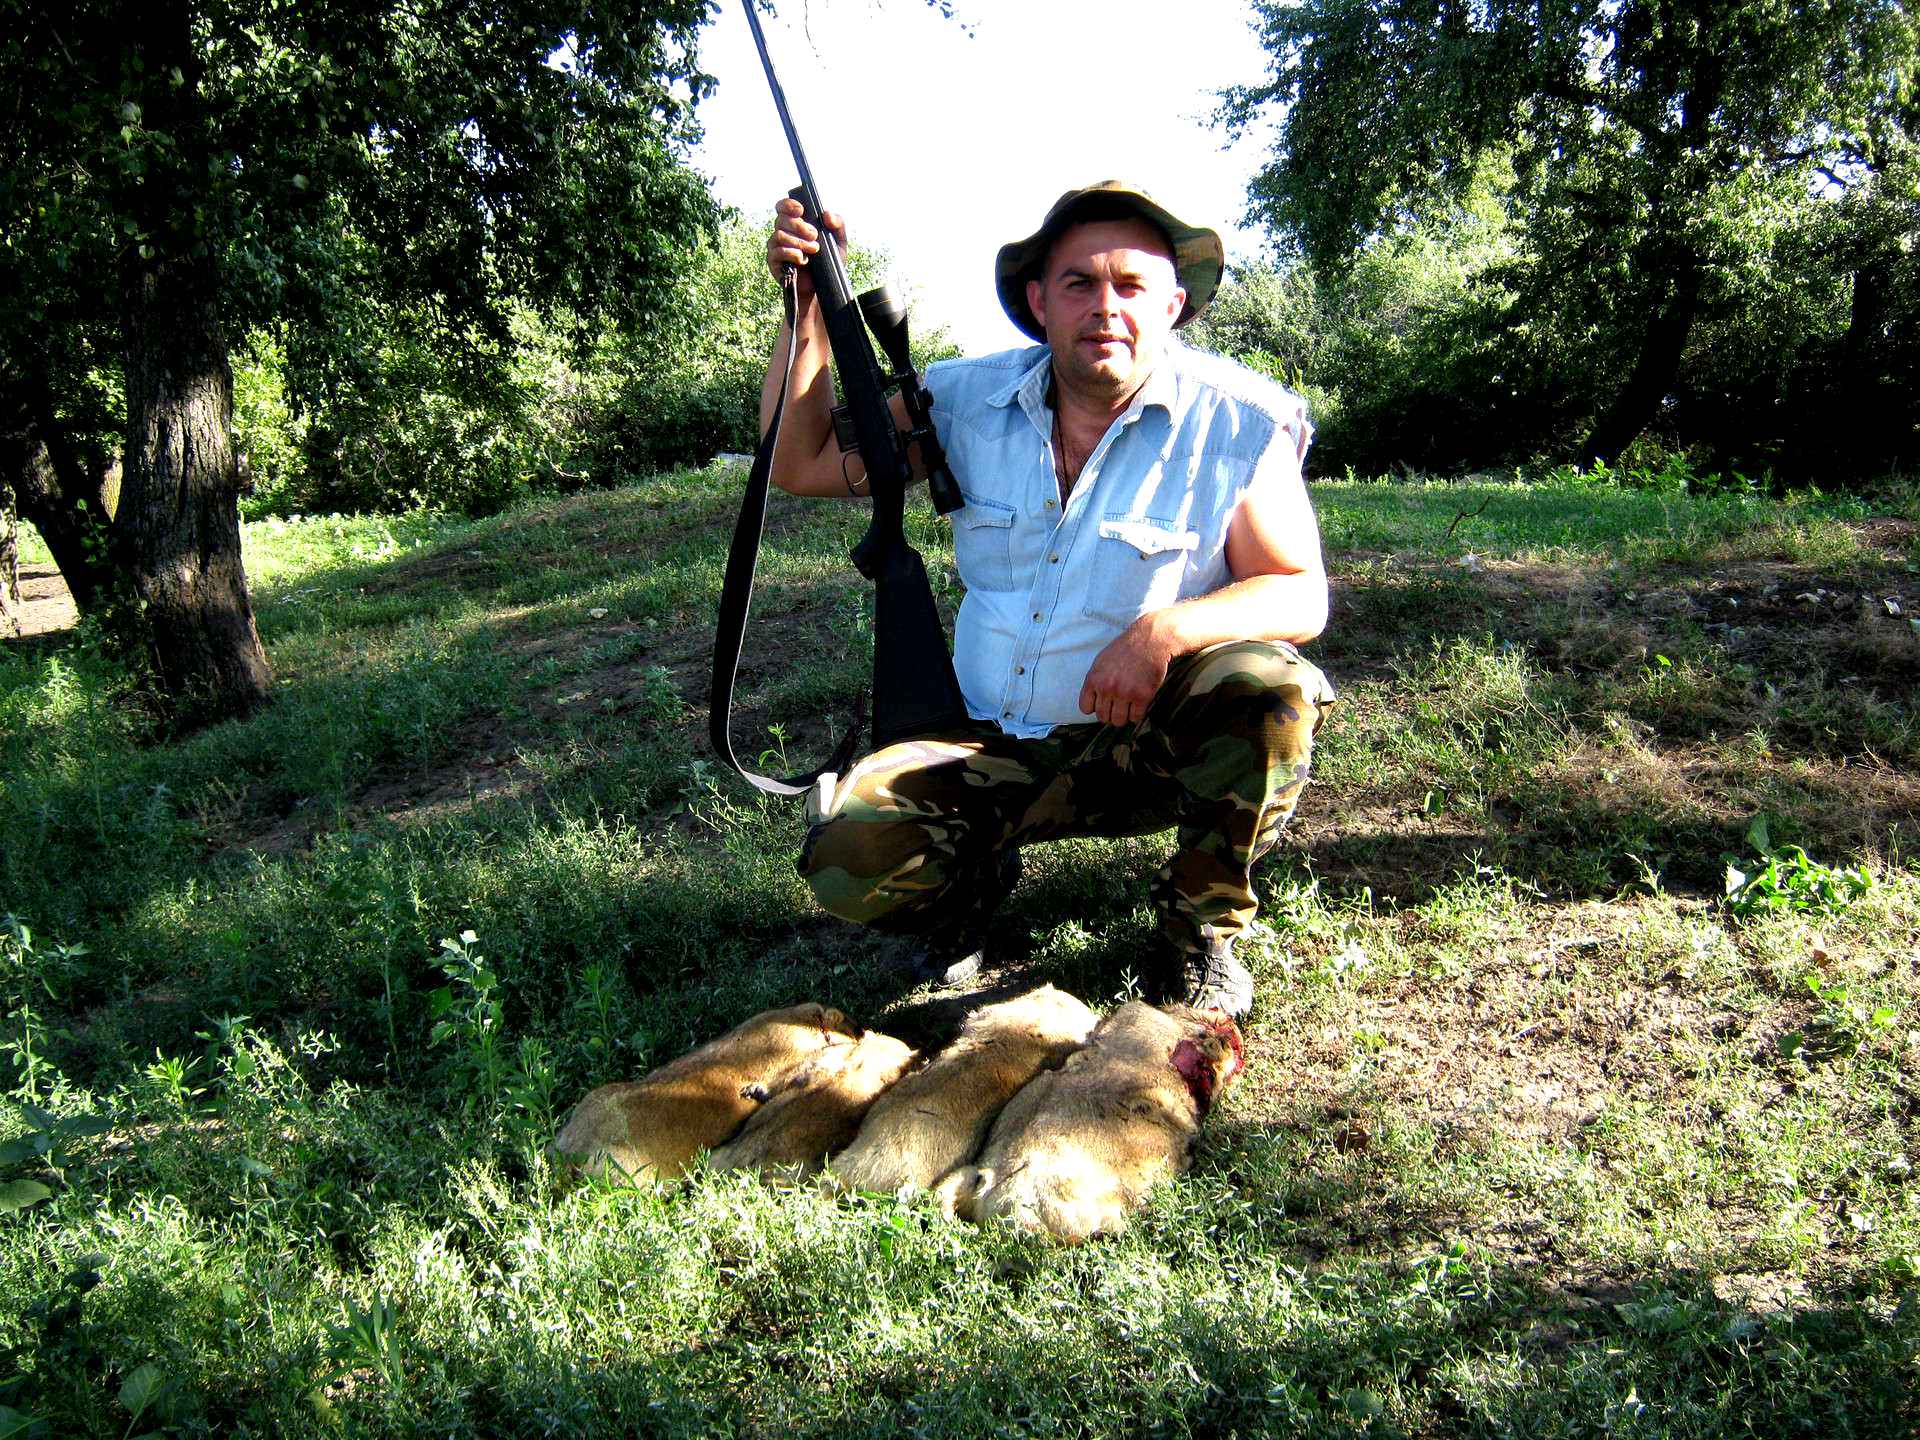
x=1049 y=585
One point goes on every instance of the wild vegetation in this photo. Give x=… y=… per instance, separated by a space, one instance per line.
x=1515 y=229
x=1544 y=1130
x=402 y=438
x=1585 y=1069
x=374 y=186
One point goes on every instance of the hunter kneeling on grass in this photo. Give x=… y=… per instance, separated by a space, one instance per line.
x=1140 y=560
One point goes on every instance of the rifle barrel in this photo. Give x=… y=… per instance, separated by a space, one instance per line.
x=809 y=191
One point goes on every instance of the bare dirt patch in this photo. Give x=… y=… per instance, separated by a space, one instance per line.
x=1534 y=1037
x=490 y=769
x=1774 y=614
x=46 y=606
x=1555 y=1028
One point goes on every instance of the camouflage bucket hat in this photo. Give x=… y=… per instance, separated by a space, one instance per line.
x=1198 y=256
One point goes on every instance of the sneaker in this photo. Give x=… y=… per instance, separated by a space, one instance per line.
x=1208 y=979
x=954 y=953
x=947 y=961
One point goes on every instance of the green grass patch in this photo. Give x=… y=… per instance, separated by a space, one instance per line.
x=1540 y=1134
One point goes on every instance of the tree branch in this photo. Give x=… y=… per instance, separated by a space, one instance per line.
x=1468 y=515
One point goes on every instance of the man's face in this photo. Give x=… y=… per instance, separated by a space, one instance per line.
x=1107 y=299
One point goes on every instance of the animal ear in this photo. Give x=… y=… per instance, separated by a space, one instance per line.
x=1230 y=1034
x=1221 y=1030
x=836 y=1022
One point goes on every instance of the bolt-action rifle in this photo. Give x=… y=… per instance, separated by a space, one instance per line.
x=914 y=689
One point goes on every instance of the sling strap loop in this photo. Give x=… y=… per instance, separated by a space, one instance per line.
x=736 y=598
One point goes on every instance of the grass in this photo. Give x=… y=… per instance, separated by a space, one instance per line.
x=1539 y=1136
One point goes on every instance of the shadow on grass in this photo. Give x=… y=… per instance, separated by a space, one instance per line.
x=1582 y=833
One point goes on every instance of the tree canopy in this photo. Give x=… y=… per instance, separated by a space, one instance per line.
x=173 y=172
x=1642 y=147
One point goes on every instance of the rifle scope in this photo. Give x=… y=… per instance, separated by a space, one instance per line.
x=885 y=316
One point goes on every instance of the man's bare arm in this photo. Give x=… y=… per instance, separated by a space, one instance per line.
x=1279 y=592
x=808 y=459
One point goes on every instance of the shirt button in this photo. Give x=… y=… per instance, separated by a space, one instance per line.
x=1050 y=504
x=1006 y=714
x=1053 y=559
x=1036 y=614
x=1019 y=669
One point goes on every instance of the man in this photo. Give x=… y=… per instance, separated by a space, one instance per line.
x=1140 y=559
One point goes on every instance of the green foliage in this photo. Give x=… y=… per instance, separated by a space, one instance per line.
x=1844 y=1022
x=26 y=977
x=367 y=1338
x=558 y=415
x=267 y=431
x=688 y=386
x=49 y=1146
x=57 y=1342
x=380 y=189
x=467 y=1014
x=1671 y=473
x=1658 y=180
x=1479 y=1029
x=1395 y=351
x=409 y=434
x=374 y=162
x=1787 y=881
x=141 y=1391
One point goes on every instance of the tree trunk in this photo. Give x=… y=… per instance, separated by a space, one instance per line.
x=1866 y=318
x=71 y=511
x=177 y=529
x=1650 y=380
x=9 y=562
x=176 y=532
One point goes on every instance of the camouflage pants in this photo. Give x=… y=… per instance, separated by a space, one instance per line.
x=912 y=837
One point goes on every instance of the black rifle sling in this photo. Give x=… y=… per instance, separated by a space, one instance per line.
x=736 y=598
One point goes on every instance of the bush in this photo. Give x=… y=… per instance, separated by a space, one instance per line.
x=1442 y=347
x=268 y=434
x=690 y=388
x=413 y=429
x=1399 y=354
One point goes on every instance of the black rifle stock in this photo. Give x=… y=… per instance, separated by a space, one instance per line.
x=914 y=688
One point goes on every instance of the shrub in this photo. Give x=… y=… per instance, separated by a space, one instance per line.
x=1442 y=345
x=412 y=428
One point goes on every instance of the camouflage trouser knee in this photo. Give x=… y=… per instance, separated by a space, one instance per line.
x=910 y=839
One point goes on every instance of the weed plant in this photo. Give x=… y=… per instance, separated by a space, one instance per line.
x=1544 y=1133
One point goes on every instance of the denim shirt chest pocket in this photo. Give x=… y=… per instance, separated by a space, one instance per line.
x=1139 y=564
x=983 y=542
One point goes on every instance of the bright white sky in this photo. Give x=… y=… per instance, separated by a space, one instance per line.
x=939 y=147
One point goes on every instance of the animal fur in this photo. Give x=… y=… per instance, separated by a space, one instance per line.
x=647 y=1131
x=1079 y=1148
x=818 y=1111
x=936 y=1118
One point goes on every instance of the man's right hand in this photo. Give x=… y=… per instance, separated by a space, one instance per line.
x=794 y=242
x=809 y=461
